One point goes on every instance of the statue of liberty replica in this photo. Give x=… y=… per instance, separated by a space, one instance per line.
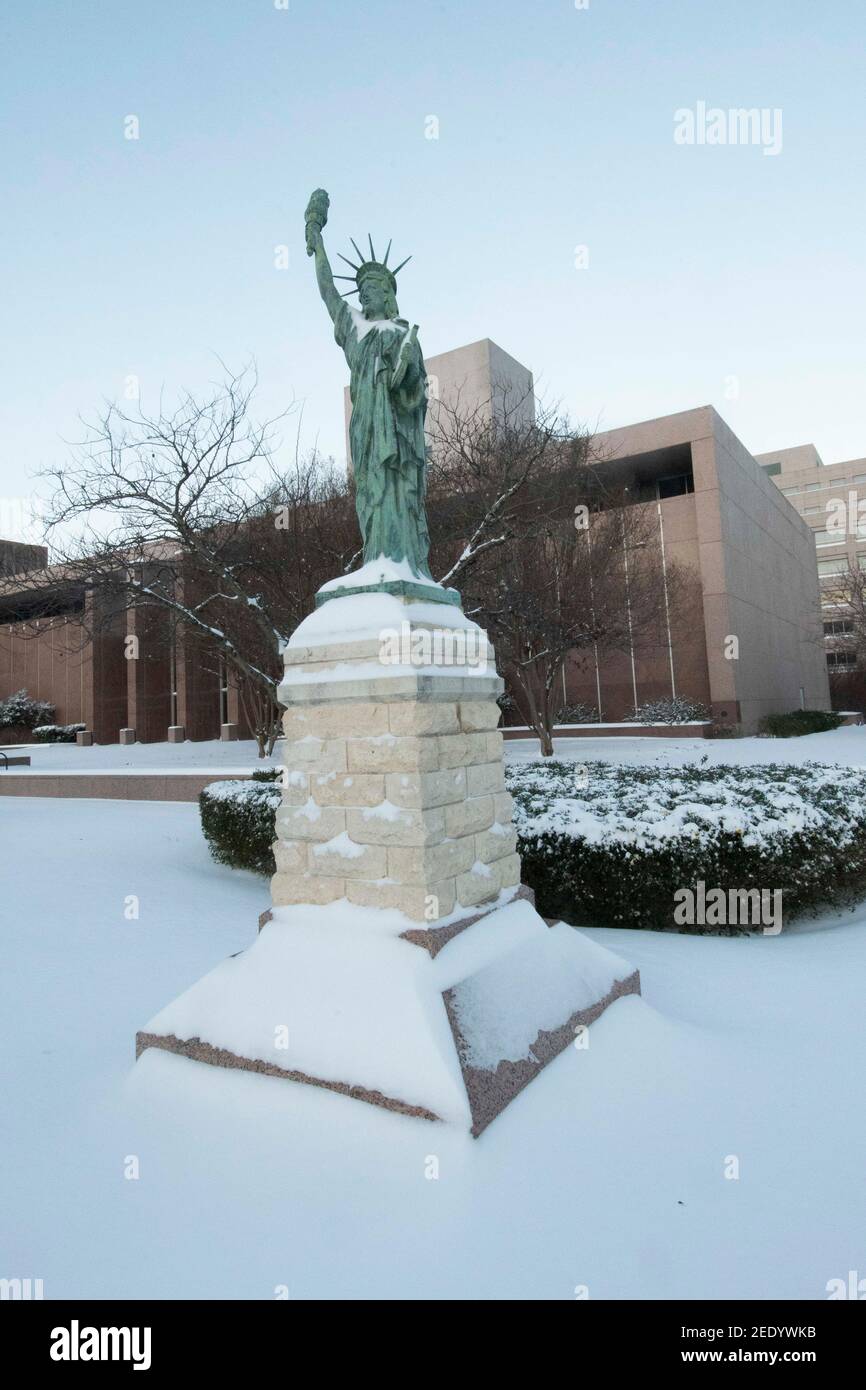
x=388 y=389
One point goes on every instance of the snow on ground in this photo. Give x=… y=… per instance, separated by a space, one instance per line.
x=241 y=756
x=846 y=746
x=608 y=1171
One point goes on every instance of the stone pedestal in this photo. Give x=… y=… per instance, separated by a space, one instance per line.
x=84 y=738
x=126 y=737
x=401 y=961
x=396 y=795
x=176 y=733
x=229 y=733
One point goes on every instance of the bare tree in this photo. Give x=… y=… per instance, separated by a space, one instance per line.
x=490 y=468
x=185 y=510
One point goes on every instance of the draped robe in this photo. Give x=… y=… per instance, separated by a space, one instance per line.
x=386 y=433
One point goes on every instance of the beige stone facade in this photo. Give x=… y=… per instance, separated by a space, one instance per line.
x=824 y=494
x=718 y=513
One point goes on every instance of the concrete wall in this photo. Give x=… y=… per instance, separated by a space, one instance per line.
x=755 y=559
x=760 y=583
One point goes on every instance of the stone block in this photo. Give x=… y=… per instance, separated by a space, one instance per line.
x=503 y=807
x=485 y=778
x=478 y=884
x=315 y=754
x=426 y=788
x=494 y=743
x=412 y=717
x=417 y=902
x=429 y=863
x=291 y=856
x=478 y=716
x=469 y=816
x=338 y=720
x=496 y=843
x=390 y=753
x=310 y=821
x=288 y=889
x=509 y=871
x=396 y=825
x=461 y=750
x=126 y=737
x=295 y=786
x=347 y=789
x=343 y=857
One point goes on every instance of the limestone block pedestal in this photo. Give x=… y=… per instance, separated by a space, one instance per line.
x=401 y=962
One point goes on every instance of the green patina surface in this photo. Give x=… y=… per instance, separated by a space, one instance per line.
x=388 y=387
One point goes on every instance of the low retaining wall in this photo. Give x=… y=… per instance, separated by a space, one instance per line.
x=697 y=730
x=113 y=786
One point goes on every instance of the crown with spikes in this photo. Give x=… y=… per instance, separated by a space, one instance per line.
x=369 y=267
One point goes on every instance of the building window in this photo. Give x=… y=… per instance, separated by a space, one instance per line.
x=676 y=486
x=838 y=627
x=841 y=661
x=829 y=538
x=790 y=491
x=826 y=568
x=772 y=470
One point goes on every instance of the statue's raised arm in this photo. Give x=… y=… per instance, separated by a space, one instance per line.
x=316 y=217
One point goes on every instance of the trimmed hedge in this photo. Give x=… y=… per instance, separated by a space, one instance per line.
x=57 y=733
x=237 y=819
x=611 y=845
x=799 y=721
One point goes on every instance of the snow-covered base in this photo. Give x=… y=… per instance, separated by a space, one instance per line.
x=335 y=997
x=388 y=576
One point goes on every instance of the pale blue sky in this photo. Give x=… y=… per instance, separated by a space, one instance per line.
x=556 y=129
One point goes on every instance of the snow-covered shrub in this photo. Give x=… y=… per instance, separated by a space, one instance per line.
x=669 y=710
x=799 y=721
x=20 y=709
x=238 y=821
x=57 y=733
x=578 y=714
x=613 y=845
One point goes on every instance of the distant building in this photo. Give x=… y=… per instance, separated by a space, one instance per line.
x=16 y=557
x=755 y=648
x=718 y=513
x=820 y=492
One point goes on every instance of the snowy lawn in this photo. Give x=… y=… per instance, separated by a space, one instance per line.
x=846 y=745
x=608 y=1171
x=241 y=756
